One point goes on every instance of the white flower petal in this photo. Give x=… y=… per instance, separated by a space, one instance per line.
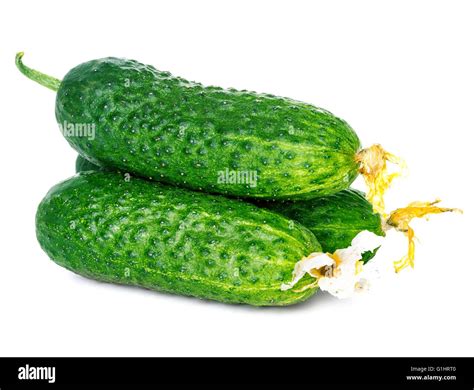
x=314 y=261
x=345 y=281
x=345 y=278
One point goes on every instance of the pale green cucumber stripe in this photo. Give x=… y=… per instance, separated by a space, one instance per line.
x=286 y=145
x=279 y=232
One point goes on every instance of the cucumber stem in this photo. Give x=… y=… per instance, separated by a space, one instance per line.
x=41 y=78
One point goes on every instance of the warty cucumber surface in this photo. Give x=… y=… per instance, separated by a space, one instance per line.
x=158 y=126
x=164 y=238
x=334 y=219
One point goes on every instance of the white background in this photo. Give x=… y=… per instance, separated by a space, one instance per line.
x=400 y=72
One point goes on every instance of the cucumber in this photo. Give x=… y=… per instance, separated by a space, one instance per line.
x=83 y=165
x=334 y=219
x=129 y=116
x=143 y=233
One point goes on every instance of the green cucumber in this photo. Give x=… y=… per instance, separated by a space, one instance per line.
x=138 y=232
x=83 y=165
x=334 y=219
x=239 y=143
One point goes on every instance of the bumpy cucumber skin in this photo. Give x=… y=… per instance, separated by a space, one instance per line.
x=158 y=126
x=335 y=220
x=168 y=239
